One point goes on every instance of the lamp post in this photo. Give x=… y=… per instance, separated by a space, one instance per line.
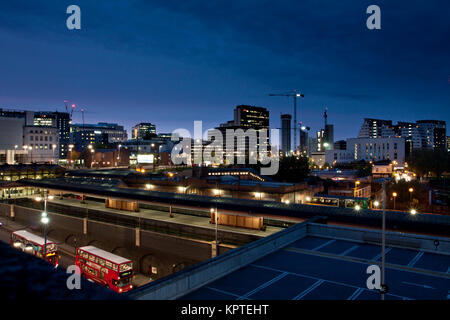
x=356 y=186
x=214 y=211
x=394 y=194
x=71 y=146
x=91 y=148
x=383 y=242
x=44 y=218
x=411 y=190
x=216 y=219
x=45 y=221
x=54 y=148
x=118 y=156
x=92 y=160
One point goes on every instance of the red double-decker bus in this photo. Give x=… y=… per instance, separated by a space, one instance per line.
x=105 y=268
x=33 y=244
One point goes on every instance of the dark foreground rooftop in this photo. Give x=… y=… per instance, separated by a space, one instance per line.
x=316 y=268
x=315 y=261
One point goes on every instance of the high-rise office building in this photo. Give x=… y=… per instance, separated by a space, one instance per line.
x=423 y=134
x=251 y=117
x=83 y=135
x=304 y=139
x=328 y=133
x=49 y=119
x=325 y=136
x=144 y=131
x=372 y=128
x=245 y=118
x=286 y=134
x=60 y=120
x=433 y=133
x=329 y=136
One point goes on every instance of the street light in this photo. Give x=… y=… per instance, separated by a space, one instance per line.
x=45 y=220
x=357 y=183
x=376 y=204
x=394 y=194
x=357 y=207
x=214 y=211
x=54 y=148
x=413 y=211
x=383 y=242
x=411 y=190
x=92 y=152
x=118 y=156
x=45 y=198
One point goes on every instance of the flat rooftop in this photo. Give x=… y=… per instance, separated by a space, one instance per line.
x=315 y=261
x=319 y=268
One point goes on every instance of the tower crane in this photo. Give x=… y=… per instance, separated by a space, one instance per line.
x=295 y=95
x=67 y=108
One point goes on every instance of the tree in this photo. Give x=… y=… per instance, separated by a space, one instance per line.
x=429 y=161
x=363 y=169
x=292 y=169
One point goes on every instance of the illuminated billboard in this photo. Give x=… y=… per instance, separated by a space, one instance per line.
x=145 y=158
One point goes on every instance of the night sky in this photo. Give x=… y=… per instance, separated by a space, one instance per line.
x=173 y=62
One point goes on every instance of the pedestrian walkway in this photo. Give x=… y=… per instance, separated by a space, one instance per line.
x=190 y=220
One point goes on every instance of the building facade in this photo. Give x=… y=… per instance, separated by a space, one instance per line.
x=143 y=131
x=60 y=120
x=42 y=143
x=357 y=149
x=245 y=118
x=433 y=133
x=372 y=128
x=83 y=135
x=422 y=134
x=286 y=134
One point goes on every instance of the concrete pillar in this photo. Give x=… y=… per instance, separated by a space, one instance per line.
x=85 y=225
x=214 y=249
x=12 y=212
x=138 y=237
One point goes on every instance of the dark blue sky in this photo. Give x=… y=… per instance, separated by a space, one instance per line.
x=173 y=62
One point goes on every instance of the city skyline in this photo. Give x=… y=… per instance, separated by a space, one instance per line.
x=172 y=64
x=248 y=150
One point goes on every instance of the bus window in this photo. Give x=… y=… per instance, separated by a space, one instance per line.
x=126 y=266
x=122 y=282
